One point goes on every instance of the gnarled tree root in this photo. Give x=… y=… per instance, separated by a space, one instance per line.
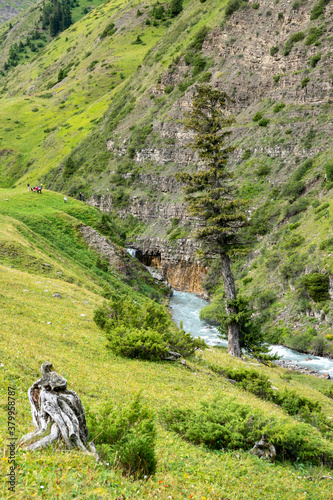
x=59 y=411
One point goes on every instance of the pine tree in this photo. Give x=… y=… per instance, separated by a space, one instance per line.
x=176 y=7
x=211 y=194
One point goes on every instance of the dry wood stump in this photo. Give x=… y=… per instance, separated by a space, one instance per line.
x=57 y=413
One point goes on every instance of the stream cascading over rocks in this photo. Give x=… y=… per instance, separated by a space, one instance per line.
x=186 y=306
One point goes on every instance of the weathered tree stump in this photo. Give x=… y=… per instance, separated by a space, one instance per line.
x=264 y=449
x=57 y=413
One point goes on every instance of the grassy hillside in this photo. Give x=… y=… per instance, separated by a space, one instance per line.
x=37 y=326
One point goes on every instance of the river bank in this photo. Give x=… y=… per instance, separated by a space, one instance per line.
x=186 y=307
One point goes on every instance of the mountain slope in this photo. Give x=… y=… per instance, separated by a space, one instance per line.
x=38 y=326
x=112 y=129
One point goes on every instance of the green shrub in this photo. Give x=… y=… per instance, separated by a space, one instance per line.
x=247 y=280
x=317 y=286
x=296 y=208
x=305 y=81
x=138 y=41
x=277 y=108
x=296 y=37
x=143 y=331
x=313 y=61
x=276 y=78
x=199 y=39
x=318 y=346
x=168 y=89
x=226 y=423
x=109 y=30
x=255 y=5
x=246 y=154
x=322 y=207
x=313 y=35
x=102 y=264
x=327 y=244
x=263 y=122
x=295 y=241
x=262 y=169
x=92 y=65
x=234 y=5
x=205 y=77
x=274 y=50
x=257 y=116
x=273 y=261
x=302 y=169
x=318 y=9
x=293 y=189
x=329 y=171
x=125 y=437
x=69 y=168
x=176 y=7
x=293 y=267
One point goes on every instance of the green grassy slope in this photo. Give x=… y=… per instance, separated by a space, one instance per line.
x=36 y=326
x=41 y=234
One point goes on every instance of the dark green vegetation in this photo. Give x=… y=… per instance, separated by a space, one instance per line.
x=225 y=423
x=125 y=438
x=143 y=331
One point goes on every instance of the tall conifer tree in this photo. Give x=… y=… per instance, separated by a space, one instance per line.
x=211 y=194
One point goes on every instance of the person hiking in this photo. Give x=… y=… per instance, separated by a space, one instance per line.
x=80 y=195
x=28 y=186
x=65 y=199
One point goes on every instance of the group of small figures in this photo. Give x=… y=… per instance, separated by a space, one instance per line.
x=36 y=189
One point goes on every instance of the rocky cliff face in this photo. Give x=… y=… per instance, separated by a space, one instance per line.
x=260 y=57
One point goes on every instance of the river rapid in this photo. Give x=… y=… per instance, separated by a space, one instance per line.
x=186 y=307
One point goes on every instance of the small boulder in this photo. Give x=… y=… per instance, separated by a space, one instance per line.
x=57 y=295
x=264 y=449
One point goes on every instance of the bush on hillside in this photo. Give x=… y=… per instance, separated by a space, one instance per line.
x=295 y=241
x=296 y=207
x=318 y=9
x=327 y=244
x=294 y=38
x=322 y=207
x=313 y=61
x=143 y=331
x=317 y=286
x=69 y=168
x=313 y=35
x=109 y=30
x=257 y=116
x=277 y=108
x=176 y=7
x=225 y=423
x=234 y=5
x=302 y=169
x=329 y=171
x=125 y=437
x=293 y=189
x=293 y=267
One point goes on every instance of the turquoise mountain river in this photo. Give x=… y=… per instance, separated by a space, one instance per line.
x=186 y=307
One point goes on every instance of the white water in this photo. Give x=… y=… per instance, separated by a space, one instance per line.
x=132 y=252
x=186 y=307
